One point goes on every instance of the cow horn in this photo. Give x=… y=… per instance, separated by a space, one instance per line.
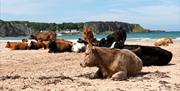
x=113 y=44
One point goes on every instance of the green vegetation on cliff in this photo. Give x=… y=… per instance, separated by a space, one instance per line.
x=138 y=28
x=23 y=28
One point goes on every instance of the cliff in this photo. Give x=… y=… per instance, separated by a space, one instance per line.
x=24 y=28
x=101 y=27
x=14 y=29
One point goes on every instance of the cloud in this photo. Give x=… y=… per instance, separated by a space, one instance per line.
x=146 y=12
x=161 y=16
x=150 y=14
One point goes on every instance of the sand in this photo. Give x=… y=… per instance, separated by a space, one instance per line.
x=38 y=70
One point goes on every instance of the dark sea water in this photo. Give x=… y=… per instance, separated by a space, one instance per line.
x=130 y=36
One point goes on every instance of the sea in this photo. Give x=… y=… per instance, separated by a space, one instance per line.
x=149 y=36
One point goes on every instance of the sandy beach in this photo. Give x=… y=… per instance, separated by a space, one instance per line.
x=38 y=70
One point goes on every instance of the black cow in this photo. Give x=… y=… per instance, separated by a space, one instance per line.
x=118 y=36
x=151 y=55
x=59 y=46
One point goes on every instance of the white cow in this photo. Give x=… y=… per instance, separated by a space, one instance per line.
x=78 y=47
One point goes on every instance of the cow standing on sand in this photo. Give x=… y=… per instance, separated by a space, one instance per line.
x=43 y=36
x=112 y=63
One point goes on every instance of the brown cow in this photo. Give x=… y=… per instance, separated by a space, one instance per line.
x=112 y=63
x=163 y=42
x=37 y=45
x=17 y=45
x=89 y=36
x=9 y=44
x=43 y=36
x=60 y=45
x=46 y=43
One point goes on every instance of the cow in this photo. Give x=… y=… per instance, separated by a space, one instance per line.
x=151 y=55
x=17 y=45
x=78 y=47
x=24 y=40
x=43 y=36
x=118 y=36
x=10 y=44
x=89 y=37
x=163 y=42
x=82 y=41
x=112 y=63
x=59 y=46
x=37 y=45
x=46 y=43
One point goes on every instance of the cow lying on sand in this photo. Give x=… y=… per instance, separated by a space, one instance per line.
x=78 y=47
x=17 y=45
x=112 y=63
x=118 y=36
x=37 y=45
x=163 y=42
x=151 y=55
x=59 y=45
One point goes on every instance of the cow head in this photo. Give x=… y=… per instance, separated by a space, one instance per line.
x=31 y=45
x=8 y=45
x=91 y=58
x=24 y=40
x=32 y=37
x=169 y=40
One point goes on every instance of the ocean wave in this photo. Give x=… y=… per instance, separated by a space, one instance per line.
x=17 y=40
x=177 y=38
x=139 y=39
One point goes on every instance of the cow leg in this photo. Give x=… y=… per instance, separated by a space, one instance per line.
x=98 y=74
x=121 y=75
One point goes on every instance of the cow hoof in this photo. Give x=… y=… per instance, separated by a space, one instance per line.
x=119 y=76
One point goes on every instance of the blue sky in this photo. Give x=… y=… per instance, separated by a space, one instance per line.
x=151 y=14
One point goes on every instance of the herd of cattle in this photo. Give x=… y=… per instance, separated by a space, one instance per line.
x=114 y=59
